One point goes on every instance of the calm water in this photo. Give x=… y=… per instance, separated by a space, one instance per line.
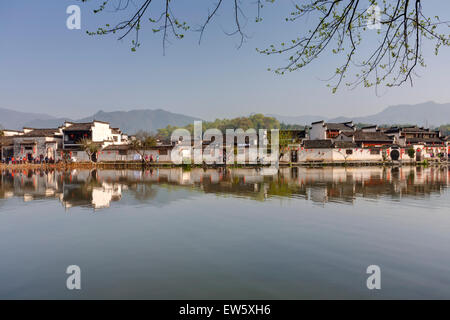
x=226 y=234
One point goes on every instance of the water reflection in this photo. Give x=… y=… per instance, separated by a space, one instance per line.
x=99 y=188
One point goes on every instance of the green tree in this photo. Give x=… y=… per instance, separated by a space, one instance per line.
x=142 y=142
x=255 y=121
x=90 y=147
x=388 y=55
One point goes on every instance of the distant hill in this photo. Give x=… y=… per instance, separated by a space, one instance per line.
x=128 y=121
x=15 y=120
x=47 y=123
x=423 y=114
x=134 y=120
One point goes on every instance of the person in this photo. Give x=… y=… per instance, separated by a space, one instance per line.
x=157 y=158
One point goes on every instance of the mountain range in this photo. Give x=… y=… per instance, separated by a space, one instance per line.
x=128 y=121
x=423 y=114
x=426 y=114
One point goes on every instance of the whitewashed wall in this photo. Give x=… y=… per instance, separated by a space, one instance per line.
x=317 y=132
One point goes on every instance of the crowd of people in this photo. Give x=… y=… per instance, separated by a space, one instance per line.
x=29 y=160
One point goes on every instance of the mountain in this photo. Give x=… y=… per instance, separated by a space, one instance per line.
x=128 y=121
x=135 y=120
x=16 y=120
x=46 y=123
x=424 y=114
x=427 y=114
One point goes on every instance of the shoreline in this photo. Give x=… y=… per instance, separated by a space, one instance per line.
x=134 y=165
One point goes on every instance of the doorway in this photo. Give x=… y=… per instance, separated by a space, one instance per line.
x=294 y=156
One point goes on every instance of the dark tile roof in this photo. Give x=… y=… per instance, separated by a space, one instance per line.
x=40 y=133
x=339 y=126
x=317 y=144
x=415 y=129
x=371 y=136
x=344 y=144
x=86 y=126
x=117 y=147
x=391 y=130
x=425 y=140
x=6 y=141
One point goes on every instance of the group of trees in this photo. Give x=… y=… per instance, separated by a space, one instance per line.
x=445 y=129
x=255 y=121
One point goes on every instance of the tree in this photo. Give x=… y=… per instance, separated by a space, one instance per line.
x=255 y=121
x=390 y=56
x=142 y=142
x=411 y=152
x=344 y=153
x=90 y=147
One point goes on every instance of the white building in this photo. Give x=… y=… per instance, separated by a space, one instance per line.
x=322 y=130
x=97 y=131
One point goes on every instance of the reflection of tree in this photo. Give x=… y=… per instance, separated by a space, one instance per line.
x=98 y=189
x=143 y=192
x=281 y=188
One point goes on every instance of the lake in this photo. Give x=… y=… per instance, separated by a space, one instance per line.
x=296 y=233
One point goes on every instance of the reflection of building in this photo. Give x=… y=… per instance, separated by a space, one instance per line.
x=97 y=189
x=104 y=195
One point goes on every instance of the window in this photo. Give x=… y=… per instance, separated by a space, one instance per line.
x=123 y=152
x=115 y=138
x=349 y=151
x=374 y=151
x=163 y=152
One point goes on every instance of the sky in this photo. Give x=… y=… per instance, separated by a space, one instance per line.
x=47 y=68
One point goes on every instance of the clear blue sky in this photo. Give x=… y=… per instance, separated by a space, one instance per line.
x=44 y=67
